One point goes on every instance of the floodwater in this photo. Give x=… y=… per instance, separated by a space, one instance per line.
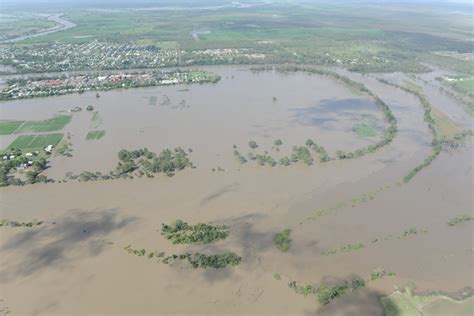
x=69 y=266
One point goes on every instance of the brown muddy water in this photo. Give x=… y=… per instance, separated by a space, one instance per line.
x=68 y=267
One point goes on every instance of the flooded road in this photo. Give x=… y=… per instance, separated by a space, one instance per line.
x=66 y=266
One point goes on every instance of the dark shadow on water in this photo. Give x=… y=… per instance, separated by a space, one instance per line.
x=220 y=192
x=363 y=301
x=245 y=239
x=329 y=111
x=360 y=302
x=56 y=245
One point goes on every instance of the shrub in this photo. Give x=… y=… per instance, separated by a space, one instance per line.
x=278 y=142
x=282 y=240
x=253 y=144
x=460 y=219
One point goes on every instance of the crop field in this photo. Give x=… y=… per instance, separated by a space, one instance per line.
x=50 y=125
x=8 y=127
x=29 y=142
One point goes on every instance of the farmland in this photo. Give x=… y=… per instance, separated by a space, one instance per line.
x=49 y=125
x=34 y=142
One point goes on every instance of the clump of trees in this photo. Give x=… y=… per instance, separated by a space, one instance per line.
x=302 y=153
x=35 y=166
x=327 y=293
x=197 y=260
x=323 y=154
x=181 y=232
x=265 y=160
x=167 y=162
x=282 y=240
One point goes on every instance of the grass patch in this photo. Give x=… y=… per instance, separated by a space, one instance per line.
x=181 y=233
x=282 y=240
x=460 y=219
x=95 y=135
x=8 y=127
x=50 y=125
x=406 y=303
x=466 y=85
x=444 y=126
x=364 y=130
x=35 y=141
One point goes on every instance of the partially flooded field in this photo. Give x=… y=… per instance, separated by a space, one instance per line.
x=75 y=261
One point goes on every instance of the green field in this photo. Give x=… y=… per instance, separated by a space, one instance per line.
x=364 y=130
x=8 y=127
x=50 y=125
x=466 y=85
x=95 y=135
x=30 y=142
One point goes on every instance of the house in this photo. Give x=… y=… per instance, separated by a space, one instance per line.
x=49 y=149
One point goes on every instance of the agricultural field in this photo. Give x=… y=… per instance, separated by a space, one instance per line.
x=33 y=142
x=212 y=157
x=7 y=128
x=49 y=125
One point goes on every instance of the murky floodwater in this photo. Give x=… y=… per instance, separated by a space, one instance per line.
x=64 y=267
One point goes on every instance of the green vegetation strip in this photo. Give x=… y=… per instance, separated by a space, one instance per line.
x=197 y=260
x=181 y=232
x=9 y=223
x=95 y=135
x=460 y=219
x=326 y=293
x=141 y=162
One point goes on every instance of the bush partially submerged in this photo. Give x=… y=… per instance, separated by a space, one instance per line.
x=5 y=222
x=197 y=260
x=182 y=233
x=282 y=240
x=460 y=219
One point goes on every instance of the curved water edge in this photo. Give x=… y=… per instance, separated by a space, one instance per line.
x=62 y=25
